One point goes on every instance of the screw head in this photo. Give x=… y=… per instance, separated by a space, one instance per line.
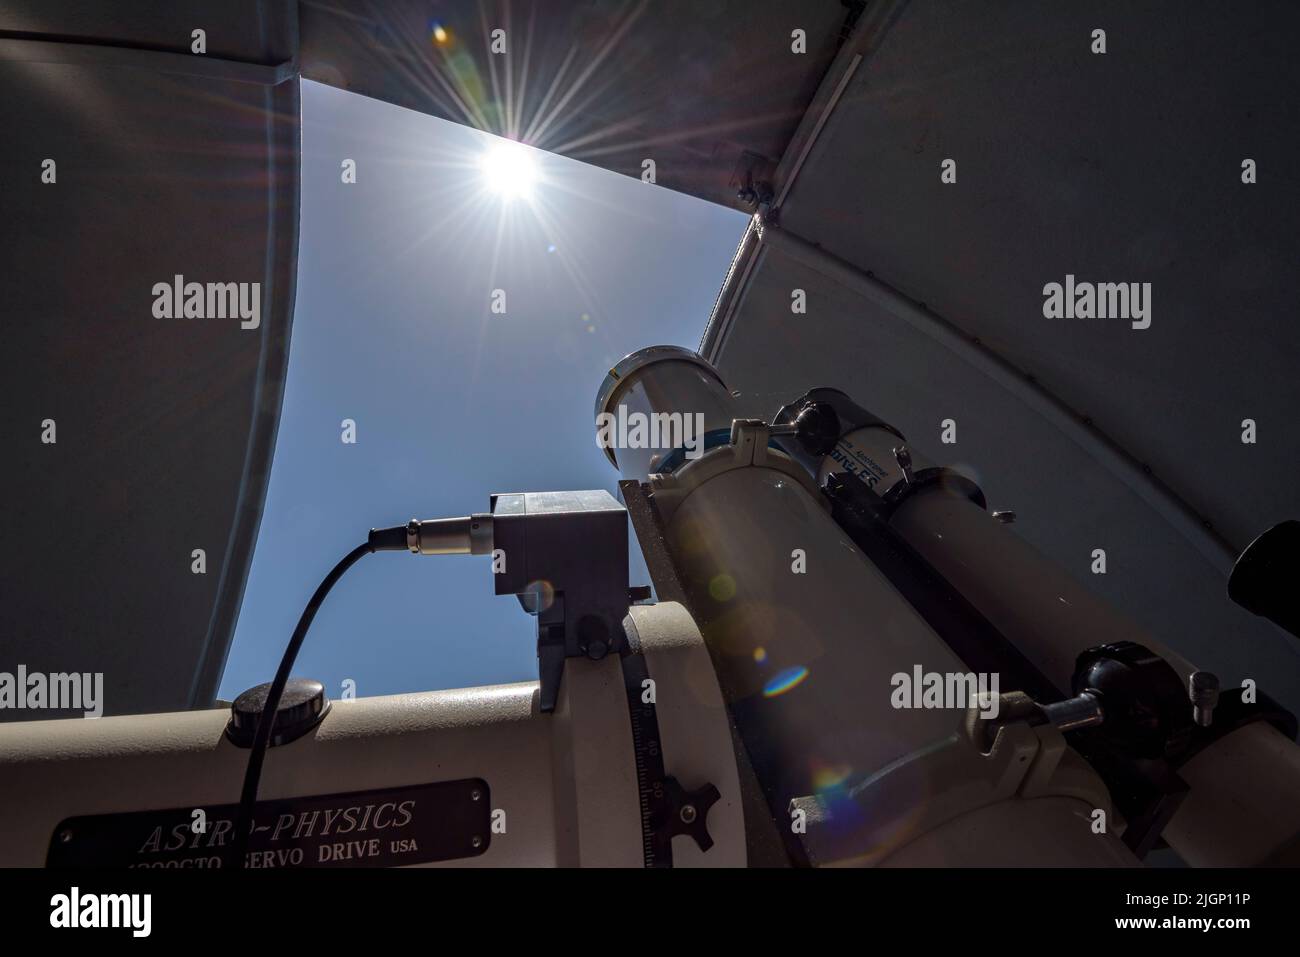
x=1203 y=686
x=688 y=814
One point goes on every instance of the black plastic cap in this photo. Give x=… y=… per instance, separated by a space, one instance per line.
x=819 y=428
x=303 y=705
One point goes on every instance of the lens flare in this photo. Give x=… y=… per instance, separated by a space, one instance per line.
x=540 y=593
x=722 y=588
x=784 y=681
x=828 y=779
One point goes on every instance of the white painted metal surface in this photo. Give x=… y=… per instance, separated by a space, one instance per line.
x=566 y=782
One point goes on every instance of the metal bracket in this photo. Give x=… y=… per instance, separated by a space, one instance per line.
x=1148 y=732
x=565 y=559
x=750 y=444
x=649 y=528
x=1024 y=759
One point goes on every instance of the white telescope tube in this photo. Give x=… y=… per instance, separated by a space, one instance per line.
x=807 y=635
x=1243 y=808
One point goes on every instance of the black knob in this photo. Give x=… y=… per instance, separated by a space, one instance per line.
x=593 y=636
x=1143 y=700
x=688 y=811
x=818 y=428
x=302 y=706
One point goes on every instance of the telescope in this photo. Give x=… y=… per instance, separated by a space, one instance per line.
x=843 y=658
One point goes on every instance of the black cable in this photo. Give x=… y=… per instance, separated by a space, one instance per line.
x=257 y=756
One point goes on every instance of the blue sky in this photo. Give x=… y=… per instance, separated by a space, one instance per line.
x=393 y=329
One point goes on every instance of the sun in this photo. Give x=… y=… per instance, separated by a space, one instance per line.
x=509 y=170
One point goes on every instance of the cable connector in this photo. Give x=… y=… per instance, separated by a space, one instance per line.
x=467 y=535
x=388 y=539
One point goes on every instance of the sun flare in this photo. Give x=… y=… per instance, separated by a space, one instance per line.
x=509 y=170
